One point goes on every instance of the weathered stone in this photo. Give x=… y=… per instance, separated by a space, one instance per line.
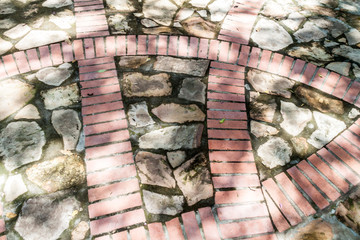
x=7 y=23
x=18 y=31
x=81 y=143
x=218 y=9
x=139 y=116
x=177 y=65
x=4 y=46
x=132 y=61
x=28 y=112
x=21 y=143
x=139 y=85
x=270 y=83
x=301 y=146
x=262 y=130
x=293 y=21
x=340 y=67
x=328 y=43
x=274 y=10
x=197 y=26
x=6 y=7
x=295 y=118
x=263 y=111
x=45 y=218
x=315 y=52
x=353 y=113
x=58 y=174
x=335 y=26
x=183 y=14
x=309 y=33
x=37 y=38
x=161 y=30
x=61 y=96
x=348 y=52
x=176 y=158
x=56 y=3
x=120 y=22
x=202 y=13
x=199 y=3
x=328 y=128
x=156 y=203
x=37 y=23
x=67 y=124
x=275 y=152
x=319 y=101
x=64 y=19
x=193 y=89
x=161 y=11
x=353 y=36
x=154 y=170
x=193 y=178
x=148 y=23
x=121 y=5
x=14 y=187
x=173 y=138
x=270 y=35
x=80 y=231
x=356 y=70
x=350 y=6
x=176 y=113
x=316 y=230
x=320 y=10
x=55 y=76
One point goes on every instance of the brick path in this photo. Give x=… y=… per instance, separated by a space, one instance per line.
x=244 y=206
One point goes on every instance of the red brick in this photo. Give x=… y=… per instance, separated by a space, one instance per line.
x=156 y=231
x=138 y=234
x=226 y=97
x=104 y=127
x=120 y=236
x=224 y=80
x=120 y=46
x=89 y=13
x=208 y=224
x=141 y=46
x=97 y=68
x=213 y=49
x=228 y=134
x=238 y=196
x=282 y=202
x=45 y=58
x=131 y=45
x=224 y=51
x=113 y=190
x=111 y=175
x=231 y=156
x=344 y=156
x=191 y=226
x=203 y=48
x=117 y=221
x=101 y=99
x=244 y=54
x=95 y=61
x=109 y=162
x=352 y=93
x=78 y=49
x=308 y=188
x=93 y=34
x=100 y=47
x=108 y=150
x=193 y=47
x=87 y=8
x=174 y=229
x=109 y=116
x=242 y=211
x=223 y=168
x=3 y=73
x=22 y=62
x=100 y=90
x=275 y=63
x=33 y=59
x=236 y=181
x=91 y=20
x=105 y=237
x=152 y=44
x=227 y=124
x=308 y=73
x=278 y=219
x=114 y=205
x=226 y=115
x=297 y=69
x=173 y=45
x=104 y=107
x=319 y=78
x=67 y=51
x=265 y=59
x=183 y=46
x=285 y=68
x=56 y=54
x=251 y=227
x=234 y=52
x=162 y=45
x=89 y=48
x=226 y=88
x=331 y=82
x=226 y=106
x=227 y=66
x=351 y=149
x=10 y=65
x=295 y=194
x=110 y=46
x=91 y=31
x=106 y=138
x=254 y=57
x=229 y=145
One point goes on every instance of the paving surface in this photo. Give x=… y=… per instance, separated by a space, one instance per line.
x=245 y=205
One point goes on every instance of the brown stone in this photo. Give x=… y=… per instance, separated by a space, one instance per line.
x=348 y=212
x=196 y=26
x=176 y=113
x=301 y=146
x=161 y=30
x=263 y=111
x=315 y=230
x=319 y=101
x=177 y=65
x=133 y=61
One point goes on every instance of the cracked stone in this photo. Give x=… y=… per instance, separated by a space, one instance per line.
x=262 y=111
x=156 y=203
x=18 y=31
x=148 y=23
x=177 y=65
x=64 y=19
x=176 y=113
x=275 y=152
x=295 y=118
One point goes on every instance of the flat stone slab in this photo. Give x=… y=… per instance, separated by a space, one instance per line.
x=294 y=20
x=275 y=152
x=55 y=76
x=161 y=11
x=193 y=178
x=14 y=187
x=263 y=111
x=28 y=112
x=314 y=52
x=156 y=203
x=218 y=9
x=4 y=46
x=177 y=65
x=37 y=38
x=154 y=170
x=348 y=52
x=309 y=32
x=139 y=85
x=353 y=36
x=176 y=158
x=176 y=113
x=64 y=19
x=18 y=31
x=262 y=130
x=295 y=118
x=340 y=67
x=133 y=61
x=139 y=116
x=173 y=138
x=61 y=96
x=56 y=3
x=193 y=89
x=197 y=26
x=21 y=143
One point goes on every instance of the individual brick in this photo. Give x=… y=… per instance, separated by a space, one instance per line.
x=22 y=62
x=2 y=226
x=226 y=88
x=152 y=43
x=246 y=228
x=107 y=150
x=137 y=233
x=96 y=75
x=234 y=52
x=229 y=145
x=87 y=8
x=226 y=96
x=103 y=117
x=109 y=162
x=105 y=127
x=78 y=49
x=331 y=82
x=97 y=68
x=275 y=63
x=208 y=224
x=10 y=65
x=242 y=211
x=226 y=80
x=231 y=156
x=265 y=59
x=141 y=46
x=278 y=219
x=297 y=70
x=89 y=48
x=120 y=46
x=120 y=235
x=308 y=73
x=173 y=46
x=227 y=66
x=226 y=106
x=191 y=226
x=101 y=99
x=236 y=181
x=156 y=231
x=174 y=229
x=45 y=58
x=254 y=57
x=111 y=175
x=67 y=51
x=162 y=45
x=286 y=65
x=232 y=168
x=227 y=115
x=93 y=34
x=224 y=51
x=213 y=49
x=56 y=54
x=348 y=147
x=104 y=107
x=238 y=196
x=33 y=58
x=352 y=93
x=203 y=48
x=193 y=47
x=131 y=45
x=319 y=78
x=110 y=46
x=228 y=134
x=183 y=46
x=106 y=138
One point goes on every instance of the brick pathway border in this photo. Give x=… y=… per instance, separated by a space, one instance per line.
x=310 y=186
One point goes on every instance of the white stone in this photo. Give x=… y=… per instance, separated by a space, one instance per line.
x=340 y=67
x=37 y=23
x=353 y=113
x=61 y=96
x=275 y=152
x=139 y=116
x=202 y=13
x=183 y=14
x=161 y=11
x=218 y=9
x=293 y=21
x=148 y=23
x=14 y=187
x=270 y=35
x=176 y=158
x=37 y=38
x=64 y=19
x=156 y=203
x=295 y=118
x=28 y=112
x=56 y=3
x=328 y=128
x=353 y=36
x=199 y=3
x=18 y=31
x=262 y=130
x=121 y=5
x=309 y=32
x=4 y=46
x=81 y=143
x=55 y=76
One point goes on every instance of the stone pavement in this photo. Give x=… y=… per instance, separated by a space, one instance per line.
x=246 y=206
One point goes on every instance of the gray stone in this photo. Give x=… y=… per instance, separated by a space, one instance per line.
x=7 y=23
x=64 y=19
x=328 y=43
x=67 y=124
x=133 y=61
x=55 y=76
x=350 y=6
x=263 y=111
x=120 y=22
x=328 y=128
x=218 y=9
x=295 y=118
x=183 y=14
x=270 y=35
x=193 y=89
x=59 y=173
x=193 y=178
x=177 y=65
x=315 y=52
x=176 y=113
x=81 y=143
x=340 y=67
x=348 y=52
x=139 y=116
x=309 y=33
x=293 y=21
x=18 y=31
x=353 y=36
x=270 y=83
x=262 y=130
x=4 y=46
x=148 y=23
x=197 y=26
x=61 y=96
x=44 y=218
x=28 y=112
x=56 y=3
x=333 y=25
x=154 y=170
x=156 y=203
x=37 y=38
x=353 y=113
x=275 y=152
x=6 y=7
x=80 y=231
x=173 y=138
x=121 y=5
x=274 y=10
x=14 y=187
x=161 y=11
x=21 y=143
x=139 y=85
x=356 y=70
x=176 y=158
x=199 y=3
